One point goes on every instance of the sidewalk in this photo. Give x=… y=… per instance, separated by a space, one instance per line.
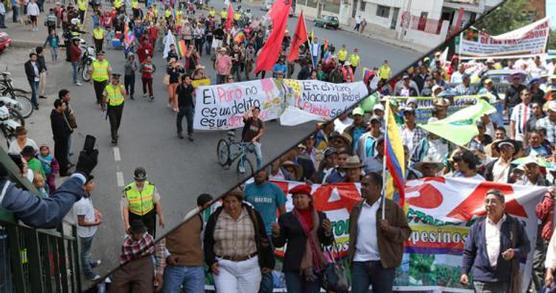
x=21 y=34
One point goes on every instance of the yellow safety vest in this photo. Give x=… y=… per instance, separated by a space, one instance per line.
x=114 y=95
x=224 y=14
x=98 y=33
x=134 y=4
x=384 y=71
x=140 y=202
x=212 y=12
x=342 y=54
x=100 y=70
x=118 y=4
x=354 y=60
x=82 y=5
x=237 y=15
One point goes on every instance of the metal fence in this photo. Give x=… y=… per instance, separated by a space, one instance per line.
x=36 y=260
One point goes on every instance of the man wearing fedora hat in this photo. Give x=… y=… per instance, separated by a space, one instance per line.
x=141 y=201
x=501 y=168
x=428 y=167
x=352 y=167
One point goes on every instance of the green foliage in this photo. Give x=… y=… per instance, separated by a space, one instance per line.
x=552 y=40
x=505 y=18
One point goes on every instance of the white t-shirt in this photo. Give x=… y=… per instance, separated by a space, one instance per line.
x=84 y=207
x=366 y=248
x=14 y=148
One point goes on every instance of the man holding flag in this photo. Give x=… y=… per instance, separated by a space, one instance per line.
x=375 y=243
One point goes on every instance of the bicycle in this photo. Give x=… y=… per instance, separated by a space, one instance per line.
x=19 y=95
x=229 y=150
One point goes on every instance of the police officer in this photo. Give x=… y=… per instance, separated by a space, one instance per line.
x=98 y=37
x=100 y=74
x=114 y=97
x=141 y=201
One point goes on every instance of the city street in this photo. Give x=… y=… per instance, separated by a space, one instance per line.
x=180 y=169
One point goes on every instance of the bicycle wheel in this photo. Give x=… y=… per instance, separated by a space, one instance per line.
x=85 y=73
x=20 y=92
x=223 y=152
x=26 y=106
x=249 y=170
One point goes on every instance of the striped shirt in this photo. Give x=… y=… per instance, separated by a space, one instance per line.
x=550 y=127
x=520 y=114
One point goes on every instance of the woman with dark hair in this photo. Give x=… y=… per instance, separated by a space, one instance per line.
x=237 y=249
x=466 y=164
x=305 y=230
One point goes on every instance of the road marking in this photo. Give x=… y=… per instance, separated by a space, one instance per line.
x=117 y=156
x=120 y=179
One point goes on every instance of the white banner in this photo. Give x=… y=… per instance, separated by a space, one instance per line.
x=222 y=106
x=528 y=40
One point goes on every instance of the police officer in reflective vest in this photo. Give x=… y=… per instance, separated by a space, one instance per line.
x=98 y=37
x=114 y=97
x=100 y=74
x=142 y=201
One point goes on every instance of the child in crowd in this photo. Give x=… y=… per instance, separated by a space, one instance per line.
x=50 y=166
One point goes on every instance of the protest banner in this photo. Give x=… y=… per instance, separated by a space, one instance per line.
x=440 y=212
x=324 y=99
x=425 y=105
x=529 y=40
x=222 y=106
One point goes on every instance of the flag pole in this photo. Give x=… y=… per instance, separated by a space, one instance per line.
x=384 y=159
x=308 y=42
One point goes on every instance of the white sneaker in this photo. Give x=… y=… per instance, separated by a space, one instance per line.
x=78 y=83
x=241 y=170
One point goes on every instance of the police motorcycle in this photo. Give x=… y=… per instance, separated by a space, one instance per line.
x=10 y=119
x=87 y=59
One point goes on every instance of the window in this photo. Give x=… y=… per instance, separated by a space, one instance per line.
x=362 y=6
x=383 y=11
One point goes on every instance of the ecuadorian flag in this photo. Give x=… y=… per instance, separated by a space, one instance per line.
x=394 y=157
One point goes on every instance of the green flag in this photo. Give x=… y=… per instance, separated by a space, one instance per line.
x=369 y=102
x=460 y=127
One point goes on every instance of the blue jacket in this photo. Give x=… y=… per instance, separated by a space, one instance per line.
x=475 y=258
x=40 y=212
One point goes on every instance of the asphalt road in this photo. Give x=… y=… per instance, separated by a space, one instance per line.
x=180 y=169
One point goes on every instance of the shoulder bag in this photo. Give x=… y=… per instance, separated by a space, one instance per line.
x=334 y=276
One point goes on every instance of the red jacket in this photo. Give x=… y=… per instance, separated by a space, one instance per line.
x=75 y=53
x=545 y=213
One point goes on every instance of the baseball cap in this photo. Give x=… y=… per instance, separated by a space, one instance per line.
x=358 y=111
x=551 y=106
x=378 y=107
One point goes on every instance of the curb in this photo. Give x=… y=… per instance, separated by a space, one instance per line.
x=25 y=44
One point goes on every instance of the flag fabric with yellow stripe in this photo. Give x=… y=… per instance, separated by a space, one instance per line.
x=394 y=157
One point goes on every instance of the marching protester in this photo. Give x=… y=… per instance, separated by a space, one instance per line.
x=304 y=230
x=236 y=246
x=493 y=248
x=376 y=242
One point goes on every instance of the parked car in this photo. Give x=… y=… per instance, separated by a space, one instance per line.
x=328 y=22
x=5 y=41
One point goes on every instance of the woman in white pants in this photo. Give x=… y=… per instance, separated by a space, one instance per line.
x=237 y=249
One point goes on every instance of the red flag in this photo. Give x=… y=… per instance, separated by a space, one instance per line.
x=299 y=38
x=271 y=49
x=230 y=18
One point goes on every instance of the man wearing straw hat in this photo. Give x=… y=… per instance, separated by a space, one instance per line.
x=377 y=233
